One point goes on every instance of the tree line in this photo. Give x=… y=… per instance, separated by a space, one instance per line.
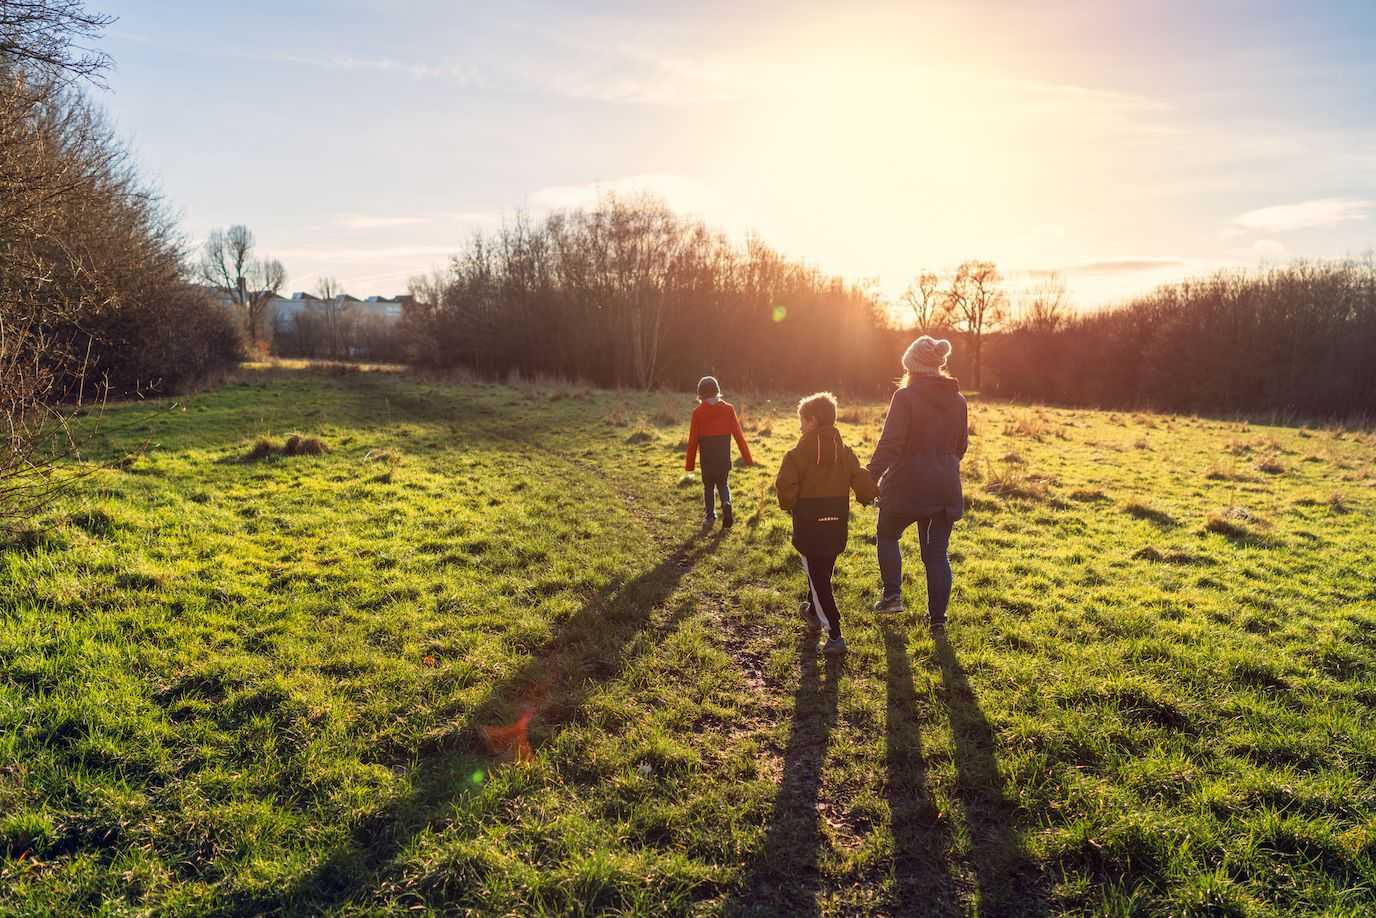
x=1299 y=339
x=92 y=295
x=628 y=293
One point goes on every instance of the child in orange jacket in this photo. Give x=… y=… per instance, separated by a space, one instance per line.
x=713 y=426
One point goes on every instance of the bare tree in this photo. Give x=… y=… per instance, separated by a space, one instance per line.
x=977 y=299
x=1045 y=306
x=334 y=311
x=930 y=306
x=227 y=263
x=46 y=36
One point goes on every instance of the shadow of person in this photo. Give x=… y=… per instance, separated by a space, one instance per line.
x=509 y=723
x=921 y=833
x=1008 y=882
x=783 y=878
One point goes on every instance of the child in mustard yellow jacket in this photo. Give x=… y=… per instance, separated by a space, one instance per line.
x=815 y=482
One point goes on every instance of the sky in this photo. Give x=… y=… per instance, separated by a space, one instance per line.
x=1123 y=145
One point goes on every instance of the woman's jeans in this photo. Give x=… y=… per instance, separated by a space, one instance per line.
x=934 y=535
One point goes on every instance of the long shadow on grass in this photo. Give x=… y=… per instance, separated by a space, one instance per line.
x=529 y=706
x=921 y=837
x=783 y=878
x=1009 y=883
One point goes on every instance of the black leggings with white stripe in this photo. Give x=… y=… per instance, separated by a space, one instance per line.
x=819 y=569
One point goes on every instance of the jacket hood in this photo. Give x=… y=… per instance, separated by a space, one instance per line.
x=940 y=382
x=821 y=447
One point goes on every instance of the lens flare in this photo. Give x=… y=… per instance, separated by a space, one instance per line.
x=513 y=741
x=780 y=313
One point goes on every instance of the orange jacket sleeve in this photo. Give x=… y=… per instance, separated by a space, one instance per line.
x=740 y=438
x=692 y=443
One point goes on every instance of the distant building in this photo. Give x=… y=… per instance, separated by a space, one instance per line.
x=384 y=308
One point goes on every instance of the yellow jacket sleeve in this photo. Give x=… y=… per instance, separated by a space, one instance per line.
x=788 y=483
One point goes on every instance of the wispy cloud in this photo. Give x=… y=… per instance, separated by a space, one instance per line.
x=1286 y=217
x=364 y=221
x=378 y=221
x=395 y=251
x=456 y=71
x=686 y=195
x=1126 y=265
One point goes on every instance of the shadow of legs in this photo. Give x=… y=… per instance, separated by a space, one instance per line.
x=783 y=878
x=1009 y=883
x=534 y=702
x=921 y=836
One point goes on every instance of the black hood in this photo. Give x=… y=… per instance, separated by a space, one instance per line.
x=821 y=446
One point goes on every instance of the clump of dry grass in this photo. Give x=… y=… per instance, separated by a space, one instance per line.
x=386 y=455
x=1088 y=495
x=1337 y=503
x=1026 y=424
x=1142 y=443
x=666 y=412
x=1238 y=524
x=1142 y=511
x=263 y=448
x=1010 y=481
x=297 y=445
x=619 y=415
x=1225 y=470
x=1271 y=465
x=643 y=433
x=1012 y=458
x=1238 y=447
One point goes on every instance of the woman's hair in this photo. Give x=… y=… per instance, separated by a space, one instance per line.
x=708 y=388
x=926 y=356
x=820 y=408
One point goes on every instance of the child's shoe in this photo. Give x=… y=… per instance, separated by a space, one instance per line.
x=938 y=626
x=805 y=612
x=728 y=519
x=709 y=521
x=889 y=604
x=834 y=647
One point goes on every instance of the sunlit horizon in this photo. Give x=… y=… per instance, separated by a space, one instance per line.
x=1124 y=150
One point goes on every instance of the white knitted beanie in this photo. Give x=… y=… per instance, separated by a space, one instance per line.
x=926 y=353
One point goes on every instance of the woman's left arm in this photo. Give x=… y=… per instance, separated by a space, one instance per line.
x=891 y=441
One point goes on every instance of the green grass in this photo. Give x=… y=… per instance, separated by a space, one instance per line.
x=296 y=683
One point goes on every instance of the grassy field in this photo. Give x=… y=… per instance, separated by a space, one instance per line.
x=479 y=656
